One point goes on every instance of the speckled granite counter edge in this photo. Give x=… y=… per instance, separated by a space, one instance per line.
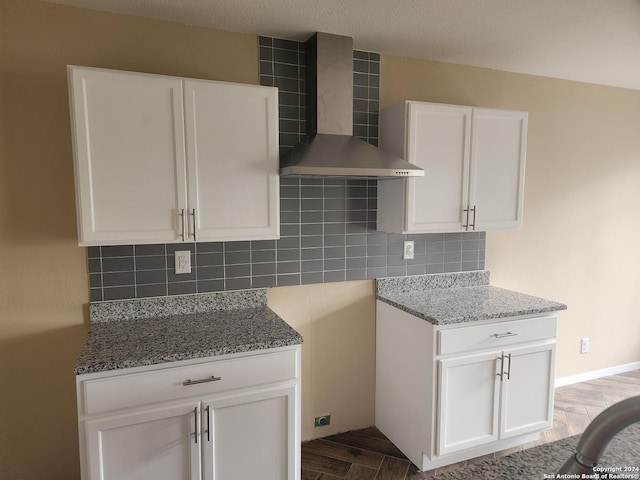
x=552 y=307
x=395 y=285
x=176 y=305
x=143 y=362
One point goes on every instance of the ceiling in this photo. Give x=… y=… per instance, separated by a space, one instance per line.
x=595 y=41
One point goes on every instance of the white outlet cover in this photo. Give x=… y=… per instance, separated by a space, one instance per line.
x=584 y=345
x=183 y=261
x=408 y=252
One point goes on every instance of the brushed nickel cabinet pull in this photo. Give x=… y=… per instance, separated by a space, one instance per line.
x=509 y=368
x=193 y=214
x=208 y=423
x=181 y=215
x=503 y=335
x=466 y=223
x=203 y=380
x=501 y=374
x=195 y=417
x=474 y=218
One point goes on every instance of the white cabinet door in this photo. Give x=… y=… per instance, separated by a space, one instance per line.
x=527 y=390
x=163 y=159
x=438 y=141
x=157 y=444
x=498 y=151
x=252 y=435
x=129 y=156
x=232 y=157
x=468 y=401
x=474 y=161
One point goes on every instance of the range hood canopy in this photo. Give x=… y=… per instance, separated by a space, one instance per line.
x=331 y=150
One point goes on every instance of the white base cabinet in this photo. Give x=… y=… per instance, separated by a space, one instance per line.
x=179 y=425
x=153 y=443
x=486 y=397
x=474 y=161
x=465 y=381
x=162 y=159
x=249 y=432
x=449 y=393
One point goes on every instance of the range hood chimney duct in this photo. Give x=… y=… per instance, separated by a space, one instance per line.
x=331 y=150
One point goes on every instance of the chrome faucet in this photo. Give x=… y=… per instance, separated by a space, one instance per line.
x=599 y=433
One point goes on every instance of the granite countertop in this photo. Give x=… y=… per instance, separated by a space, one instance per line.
x=457 y=298
x=132 y=334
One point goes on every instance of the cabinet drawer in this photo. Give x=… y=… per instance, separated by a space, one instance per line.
x=134 y=389
x=495 y=335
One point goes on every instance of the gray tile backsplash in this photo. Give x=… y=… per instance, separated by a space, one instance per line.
x=337 y=242
x=328 y=227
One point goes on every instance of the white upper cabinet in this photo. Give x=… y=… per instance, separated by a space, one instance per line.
x=232 y=160
x=436 y=138
x=162 y=159
x=474 y=168
x=498 y=152
x=130 y=172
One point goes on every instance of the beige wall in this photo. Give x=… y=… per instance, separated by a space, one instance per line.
x=578 y=244
x=43 y=273
x=337 y=321
x=579 y=241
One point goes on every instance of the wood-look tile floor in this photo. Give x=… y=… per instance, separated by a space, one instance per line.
x=368 y=455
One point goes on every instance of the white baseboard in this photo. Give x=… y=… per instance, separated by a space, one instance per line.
x=605 y=372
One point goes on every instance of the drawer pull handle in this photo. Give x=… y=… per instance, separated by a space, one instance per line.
x=502 y=335
x=204 y=380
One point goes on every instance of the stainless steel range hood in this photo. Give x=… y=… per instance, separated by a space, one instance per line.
x=331 y=150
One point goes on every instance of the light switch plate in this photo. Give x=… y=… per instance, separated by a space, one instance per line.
x=183 y=261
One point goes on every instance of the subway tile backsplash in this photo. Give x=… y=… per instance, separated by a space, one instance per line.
x=337 y=243
x=328 y=227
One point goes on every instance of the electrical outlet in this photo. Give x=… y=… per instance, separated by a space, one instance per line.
x=183 y=261
x=584 y=345
x=407 y=253
x=322 y=421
